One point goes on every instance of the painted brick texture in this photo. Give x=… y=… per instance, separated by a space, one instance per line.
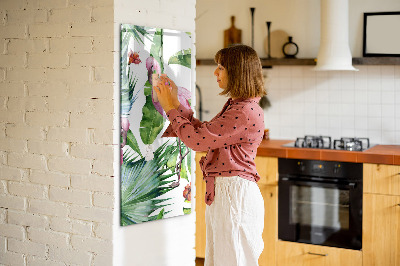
x=56 y=132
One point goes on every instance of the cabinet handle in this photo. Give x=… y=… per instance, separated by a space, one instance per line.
x=318 y=254
x=398 y=204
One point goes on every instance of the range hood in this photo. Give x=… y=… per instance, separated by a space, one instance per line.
x=334 y=51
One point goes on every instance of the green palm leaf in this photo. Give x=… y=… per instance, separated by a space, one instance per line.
x=156 y=49
x=183 y=57
x=131 y=141
x=142 y=182
x=128 y=82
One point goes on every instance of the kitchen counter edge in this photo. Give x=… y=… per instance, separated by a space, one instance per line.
x=379 y=154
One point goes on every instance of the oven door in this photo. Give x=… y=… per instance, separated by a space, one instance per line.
x=320 y=212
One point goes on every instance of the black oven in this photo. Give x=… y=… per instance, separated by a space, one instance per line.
x=320 y=202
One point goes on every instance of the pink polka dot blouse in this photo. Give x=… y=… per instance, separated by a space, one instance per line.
x=231 y=139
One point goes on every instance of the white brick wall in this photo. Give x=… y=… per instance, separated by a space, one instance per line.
x=56 y=128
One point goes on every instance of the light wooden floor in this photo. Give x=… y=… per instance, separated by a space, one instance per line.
x=199 y=262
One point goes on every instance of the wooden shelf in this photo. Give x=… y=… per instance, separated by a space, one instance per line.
x=312 y=61
x=376 y=61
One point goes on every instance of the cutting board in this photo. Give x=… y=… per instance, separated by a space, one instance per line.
x=232 y=35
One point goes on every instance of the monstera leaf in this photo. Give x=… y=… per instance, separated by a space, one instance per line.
x=183 y=57
x=152 y=122
x=142 y=182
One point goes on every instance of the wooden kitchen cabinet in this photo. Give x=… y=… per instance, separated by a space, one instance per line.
x=381 y=215
x=267 y=167
x=381 y=179
x=270 y=233
x=381 y=230
x=298 y=254
x=200 y=209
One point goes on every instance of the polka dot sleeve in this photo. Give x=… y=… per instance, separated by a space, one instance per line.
x=223 y=131
x=188 y=114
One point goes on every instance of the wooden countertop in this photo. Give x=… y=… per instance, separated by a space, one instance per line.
x=379 y=154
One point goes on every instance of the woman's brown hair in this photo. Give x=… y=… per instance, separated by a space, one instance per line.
x=245 y=78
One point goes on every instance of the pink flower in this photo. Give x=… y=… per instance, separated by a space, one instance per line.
x=125 y=123
x=183 y=97
x=134 y=58
x=124 y=130
x=152 y=65
x=187 y=192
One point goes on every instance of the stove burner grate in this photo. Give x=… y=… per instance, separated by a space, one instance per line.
x=351 y=144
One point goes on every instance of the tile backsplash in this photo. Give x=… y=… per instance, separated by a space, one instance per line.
x=365 y=103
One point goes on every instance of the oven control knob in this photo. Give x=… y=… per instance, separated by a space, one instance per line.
x=336 y=169
x=302 y=167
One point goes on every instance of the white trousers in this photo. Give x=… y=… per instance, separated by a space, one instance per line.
x=234 y=223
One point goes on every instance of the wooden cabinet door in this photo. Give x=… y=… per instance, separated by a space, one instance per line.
x=381 y=179
x=298 y=254
x=381 y=230
x=200 y=209
x=270 y=233
x=267 y=168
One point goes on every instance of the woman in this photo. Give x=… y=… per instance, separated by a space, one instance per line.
x=235 y=207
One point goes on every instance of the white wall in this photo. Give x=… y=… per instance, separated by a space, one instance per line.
x=299 y=18
x=338 y=104
x=170 y=241
x=56 y=118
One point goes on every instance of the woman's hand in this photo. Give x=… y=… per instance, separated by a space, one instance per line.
x=164 y=95
x=174 y=89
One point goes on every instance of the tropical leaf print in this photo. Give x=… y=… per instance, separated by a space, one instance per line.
x=136 y=31
x=147 y=88
x=183 y=58
x=131 y=141
x=152 y=122
x=189 y=161
x=156 y=50
x=172 y=160
x=160 y=214
x=184 y=174
x=142 y=182
x=128 y=81
x=180 y=154
x=150 y=173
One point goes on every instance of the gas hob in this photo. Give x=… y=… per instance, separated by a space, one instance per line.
x=325 y=142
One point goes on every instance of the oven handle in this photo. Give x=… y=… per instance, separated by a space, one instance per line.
x=297 y=181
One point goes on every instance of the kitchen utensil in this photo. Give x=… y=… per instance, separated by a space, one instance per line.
x=232 y=35
x=252 y=9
